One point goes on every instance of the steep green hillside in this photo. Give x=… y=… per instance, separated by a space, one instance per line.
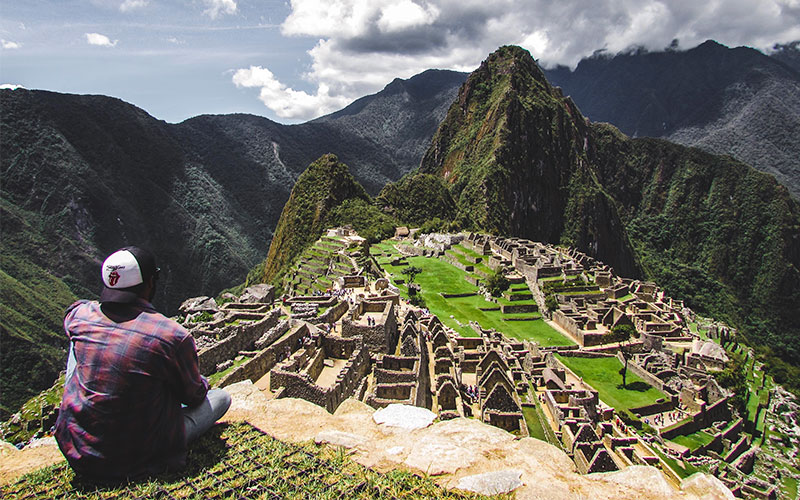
x=417 y=198
x=513 y=150
x=520 y=159
x=85 y=175
x=711 y=230
x=325 y=185
x=32 y=302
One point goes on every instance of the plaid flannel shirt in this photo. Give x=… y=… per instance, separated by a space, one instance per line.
x=121 y=411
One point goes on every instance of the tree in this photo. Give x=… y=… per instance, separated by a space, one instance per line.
x=551 y=302
x=411 y=272
x=623 y=335
x=497 y=283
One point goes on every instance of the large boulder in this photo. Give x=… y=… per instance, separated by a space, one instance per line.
x=199 y=304
x=258 y=294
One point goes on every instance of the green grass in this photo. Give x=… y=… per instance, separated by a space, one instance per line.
x=217 y=376
x=239 y=461
x=534 y=424
x=603 y=375
x=438 y=277
x=694 y=440
x=681 y=468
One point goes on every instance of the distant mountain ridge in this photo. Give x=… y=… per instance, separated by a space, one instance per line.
x=734 y=101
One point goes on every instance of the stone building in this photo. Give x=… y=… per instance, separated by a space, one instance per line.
x=375 y=322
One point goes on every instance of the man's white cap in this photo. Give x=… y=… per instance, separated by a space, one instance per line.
x=123 y=269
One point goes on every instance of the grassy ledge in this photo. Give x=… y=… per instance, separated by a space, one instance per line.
x=234 y=461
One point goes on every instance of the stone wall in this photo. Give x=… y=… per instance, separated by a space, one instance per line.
x=700 y=420
x=519 y=308
x=264 y=361
x=668 y=405
x=242 y=339
x=381 y=338
x=301 y=384
x=455 y=262
x=333 y=314
x=645 y=375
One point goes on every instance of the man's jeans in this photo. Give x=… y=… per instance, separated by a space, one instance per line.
x=199 y=419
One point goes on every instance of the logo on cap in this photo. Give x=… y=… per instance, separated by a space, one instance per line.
x=113 y=276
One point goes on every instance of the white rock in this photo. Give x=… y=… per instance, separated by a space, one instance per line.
x=404 y=416
x=340 y=438
x=245 y=396
x=638 y=477
x=491 y=483
x=439 y=456
x=7 y=449
x=706 y=486
x=46 y=441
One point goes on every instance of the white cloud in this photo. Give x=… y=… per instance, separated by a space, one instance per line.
x=11 y=86
x=175 y=40
x=129 y=5
x=284 y=101
x=364 y=44
x=100 y=40
x=8 y=44
x=217 y=7
x=405 y=15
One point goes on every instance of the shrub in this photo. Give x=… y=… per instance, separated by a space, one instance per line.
x=497 y=283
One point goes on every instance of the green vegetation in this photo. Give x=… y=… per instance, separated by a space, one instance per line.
x=32 y=413
x=418 y=198
x=535 y=429
x=215 y=377
x=682 y=468
x=324 y=185
x=239 y=461
x=438 y=277
x=411 y=272
x=32 y=304
x=694 y=440
x=603 y=375
x=497 y=283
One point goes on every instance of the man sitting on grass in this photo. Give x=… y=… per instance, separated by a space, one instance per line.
x=133 y=394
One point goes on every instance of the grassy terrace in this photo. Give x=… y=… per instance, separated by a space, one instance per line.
x=603 y=374
x=694 y=440
x=438 y=277
x=239 y=461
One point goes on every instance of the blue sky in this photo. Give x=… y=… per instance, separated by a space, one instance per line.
x=295 y=60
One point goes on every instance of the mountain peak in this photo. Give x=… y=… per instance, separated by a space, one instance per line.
x=325 y=184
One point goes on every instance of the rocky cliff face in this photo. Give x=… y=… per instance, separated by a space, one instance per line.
x=520 y=159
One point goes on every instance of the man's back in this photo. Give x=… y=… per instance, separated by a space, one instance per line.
x=121 y=412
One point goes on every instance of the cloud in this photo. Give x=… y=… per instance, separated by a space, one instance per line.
x=11 y=86
x=284 y=101
x=129 y=5
x=217 y=7
x=100 y=40
x=8 y=44
x=363 y=44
